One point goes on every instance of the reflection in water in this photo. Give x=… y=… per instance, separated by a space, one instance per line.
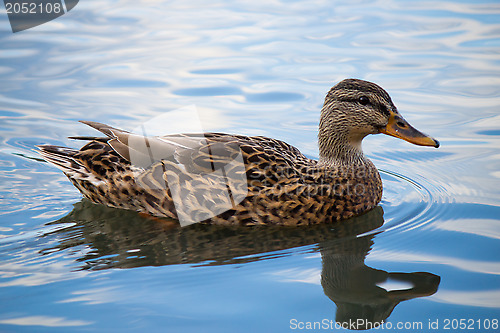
x=123 y=239
x=354 y=287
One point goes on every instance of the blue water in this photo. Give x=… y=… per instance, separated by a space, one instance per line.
x=260 y=68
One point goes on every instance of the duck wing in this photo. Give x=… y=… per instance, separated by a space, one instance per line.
x=195 y=153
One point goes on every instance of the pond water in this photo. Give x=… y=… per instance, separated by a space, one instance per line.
x=426 y=260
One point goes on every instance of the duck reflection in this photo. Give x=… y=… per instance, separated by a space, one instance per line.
x=124 y=239
x=354 y=287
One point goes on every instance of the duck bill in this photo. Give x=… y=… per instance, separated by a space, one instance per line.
x=400 y=128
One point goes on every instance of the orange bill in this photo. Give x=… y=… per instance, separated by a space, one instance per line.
x=400 y=128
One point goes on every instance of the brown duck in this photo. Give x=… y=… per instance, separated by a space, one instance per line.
x=236 y=179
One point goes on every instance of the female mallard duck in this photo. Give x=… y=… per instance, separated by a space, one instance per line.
x=235 y=179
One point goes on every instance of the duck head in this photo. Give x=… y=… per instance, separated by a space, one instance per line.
x=355 y=108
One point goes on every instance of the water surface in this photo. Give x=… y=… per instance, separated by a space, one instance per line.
x=428 y=253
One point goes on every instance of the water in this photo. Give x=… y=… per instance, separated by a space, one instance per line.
x=258 y=68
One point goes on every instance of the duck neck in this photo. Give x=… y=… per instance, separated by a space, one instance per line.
x=338 y=148
x=345 y=155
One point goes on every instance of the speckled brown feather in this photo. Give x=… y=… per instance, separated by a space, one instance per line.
x=284 y=187
x=281 y=186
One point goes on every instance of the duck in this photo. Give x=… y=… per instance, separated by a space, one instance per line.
x=231 y=179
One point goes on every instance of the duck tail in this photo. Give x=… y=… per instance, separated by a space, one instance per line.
x=64 y=158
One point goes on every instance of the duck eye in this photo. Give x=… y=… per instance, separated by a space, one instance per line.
x=363 y=100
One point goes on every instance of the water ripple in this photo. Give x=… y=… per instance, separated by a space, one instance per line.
x=260 y=68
